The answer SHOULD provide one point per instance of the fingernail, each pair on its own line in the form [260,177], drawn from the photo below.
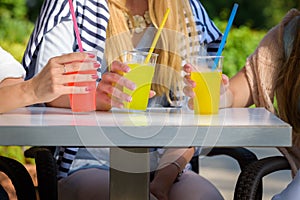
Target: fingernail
[96,65]
[153,92]
[94,76]
[91,55]
[129,99]
[126,68]
[132,86]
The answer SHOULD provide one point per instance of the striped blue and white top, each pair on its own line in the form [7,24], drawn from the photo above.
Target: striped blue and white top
[92,17]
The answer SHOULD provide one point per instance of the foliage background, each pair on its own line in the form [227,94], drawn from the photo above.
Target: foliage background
[252,21]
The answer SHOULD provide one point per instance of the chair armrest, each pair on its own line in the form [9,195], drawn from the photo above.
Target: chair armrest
[242,155]
[46,171]
[19,177]
[3,194]
[249,184]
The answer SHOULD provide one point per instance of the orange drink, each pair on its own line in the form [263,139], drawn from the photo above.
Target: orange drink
[207,76]
[207,92]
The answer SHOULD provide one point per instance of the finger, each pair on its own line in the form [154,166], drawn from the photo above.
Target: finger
[224,84]
[108,100]
[114,78]
[75,78]
[124,82]
[191,104]
[121,96]
[187,68]
[188,81]
[73,57]
[113,91]
[76,90]
[225,79]
[188,91]
[118,67]
[116,103]
[152,93]
[80,66]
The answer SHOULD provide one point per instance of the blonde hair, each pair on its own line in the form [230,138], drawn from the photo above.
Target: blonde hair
[288,82]
[173,40]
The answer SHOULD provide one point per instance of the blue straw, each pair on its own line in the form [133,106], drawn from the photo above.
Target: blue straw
[224,38]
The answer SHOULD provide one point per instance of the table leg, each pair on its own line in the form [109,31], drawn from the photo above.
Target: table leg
[129,173]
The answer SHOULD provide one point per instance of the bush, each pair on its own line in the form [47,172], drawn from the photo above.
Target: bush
[16,49]
[15,152]
[241,42]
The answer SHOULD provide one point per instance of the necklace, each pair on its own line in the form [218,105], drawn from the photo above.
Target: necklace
[138,23]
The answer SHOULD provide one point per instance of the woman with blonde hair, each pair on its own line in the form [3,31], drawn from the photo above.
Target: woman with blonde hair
[112,27]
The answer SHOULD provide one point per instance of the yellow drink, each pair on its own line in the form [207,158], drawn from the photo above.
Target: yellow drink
[141,75]
[207,92]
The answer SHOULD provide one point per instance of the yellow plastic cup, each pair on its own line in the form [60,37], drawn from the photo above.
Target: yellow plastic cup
[208,75]
[141,74]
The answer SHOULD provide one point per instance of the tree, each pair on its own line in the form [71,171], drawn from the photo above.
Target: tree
[13,21]
[257,14]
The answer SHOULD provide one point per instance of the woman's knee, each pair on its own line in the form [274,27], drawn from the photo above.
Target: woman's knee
[85,184]
[193,186]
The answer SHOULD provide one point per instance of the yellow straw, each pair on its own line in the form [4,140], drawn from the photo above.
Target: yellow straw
[157,35]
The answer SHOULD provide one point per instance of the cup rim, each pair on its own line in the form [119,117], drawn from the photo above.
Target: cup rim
[142,52]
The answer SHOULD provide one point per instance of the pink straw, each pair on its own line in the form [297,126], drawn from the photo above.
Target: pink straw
[75,26]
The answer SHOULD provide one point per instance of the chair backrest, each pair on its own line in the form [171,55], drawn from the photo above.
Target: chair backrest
[19,177]
[46,169]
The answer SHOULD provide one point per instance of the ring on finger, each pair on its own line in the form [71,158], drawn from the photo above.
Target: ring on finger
[65,69]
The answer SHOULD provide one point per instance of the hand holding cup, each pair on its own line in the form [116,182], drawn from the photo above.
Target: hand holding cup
[52,81]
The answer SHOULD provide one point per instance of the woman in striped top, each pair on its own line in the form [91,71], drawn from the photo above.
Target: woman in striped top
[107,26]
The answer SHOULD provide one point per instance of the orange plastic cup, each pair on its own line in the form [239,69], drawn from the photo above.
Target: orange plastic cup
[84,102]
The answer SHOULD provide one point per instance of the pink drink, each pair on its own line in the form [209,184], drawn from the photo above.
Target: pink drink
[84,102]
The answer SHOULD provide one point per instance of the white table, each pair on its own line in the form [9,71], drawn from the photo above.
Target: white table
[138,131]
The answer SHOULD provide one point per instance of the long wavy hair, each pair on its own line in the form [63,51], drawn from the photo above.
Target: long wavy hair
[288,82]
[175,37]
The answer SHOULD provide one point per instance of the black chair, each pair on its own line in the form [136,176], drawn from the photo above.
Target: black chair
[19,177]
[249,184]
[47,169]
[3,194]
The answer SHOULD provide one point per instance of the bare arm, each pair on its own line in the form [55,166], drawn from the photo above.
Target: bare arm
[240,90]
[50,83]
[168,172]
[15,93]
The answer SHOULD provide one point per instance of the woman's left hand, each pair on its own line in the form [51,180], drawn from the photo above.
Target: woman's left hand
[190,84]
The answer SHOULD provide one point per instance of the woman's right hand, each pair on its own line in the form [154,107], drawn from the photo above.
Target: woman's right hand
[52,81]
[110,88]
